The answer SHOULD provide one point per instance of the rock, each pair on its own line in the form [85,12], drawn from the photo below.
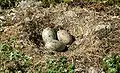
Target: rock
[64,36]
[48,34]
[55,45]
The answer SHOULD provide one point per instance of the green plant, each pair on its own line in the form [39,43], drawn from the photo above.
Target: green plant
[38,68]
[10,55]
[111,64]
[59,66]
[8,3]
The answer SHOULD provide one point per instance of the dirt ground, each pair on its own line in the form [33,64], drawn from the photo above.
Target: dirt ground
[95,27]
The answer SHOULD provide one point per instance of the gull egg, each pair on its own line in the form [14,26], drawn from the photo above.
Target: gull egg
[64,36]
[55,45]
[48,34]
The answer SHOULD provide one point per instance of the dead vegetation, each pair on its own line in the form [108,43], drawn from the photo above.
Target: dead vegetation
[95,28]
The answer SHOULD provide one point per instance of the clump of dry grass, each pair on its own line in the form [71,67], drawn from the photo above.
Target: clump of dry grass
[89,45]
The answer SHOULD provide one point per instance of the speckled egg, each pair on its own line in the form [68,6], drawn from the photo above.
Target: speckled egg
[64,36]
[55,45]
[48,34]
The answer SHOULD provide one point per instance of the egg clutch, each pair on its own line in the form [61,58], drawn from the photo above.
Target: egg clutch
[56,41]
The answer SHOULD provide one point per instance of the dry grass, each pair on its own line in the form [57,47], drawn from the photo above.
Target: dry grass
[96,33]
